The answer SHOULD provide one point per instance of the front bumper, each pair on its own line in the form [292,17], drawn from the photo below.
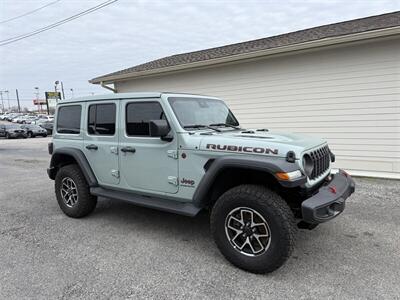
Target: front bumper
[17,135]
[329,201]
[36,133]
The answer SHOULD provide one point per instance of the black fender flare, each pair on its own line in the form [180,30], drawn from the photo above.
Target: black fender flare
[80,159]
[270,165]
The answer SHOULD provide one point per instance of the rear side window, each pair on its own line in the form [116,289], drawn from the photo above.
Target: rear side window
[69,119]
[138,115]
[101,119]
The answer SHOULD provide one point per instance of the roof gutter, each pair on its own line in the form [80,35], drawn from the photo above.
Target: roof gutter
[290,48]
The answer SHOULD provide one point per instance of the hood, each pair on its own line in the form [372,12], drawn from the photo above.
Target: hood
[261,142]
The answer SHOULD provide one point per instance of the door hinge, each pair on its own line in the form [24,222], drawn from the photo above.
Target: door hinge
[114,150]
[115,173]
[173,180]
[172,154]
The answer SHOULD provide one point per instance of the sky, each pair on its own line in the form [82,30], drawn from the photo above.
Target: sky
[130,32]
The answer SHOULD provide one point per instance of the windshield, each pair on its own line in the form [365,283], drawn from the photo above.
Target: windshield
[201,111]
[13,126]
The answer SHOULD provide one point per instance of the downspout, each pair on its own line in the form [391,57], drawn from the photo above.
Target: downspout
[107,87]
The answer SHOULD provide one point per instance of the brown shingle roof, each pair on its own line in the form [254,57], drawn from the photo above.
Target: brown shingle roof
[307,35]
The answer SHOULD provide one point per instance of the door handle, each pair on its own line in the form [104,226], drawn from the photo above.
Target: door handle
[128,149]
[92,147]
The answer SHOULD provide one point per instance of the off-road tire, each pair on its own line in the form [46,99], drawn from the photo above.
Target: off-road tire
[273,209]
[86,202]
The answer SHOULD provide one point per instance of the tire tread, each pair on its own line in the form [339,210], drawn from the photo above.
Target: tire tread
[86,202]
[268,200]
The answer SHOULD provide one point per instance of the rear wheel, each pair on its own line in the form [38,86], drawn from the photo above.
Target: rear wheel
[253,228]
[8,136]
[30,134]
[72,191]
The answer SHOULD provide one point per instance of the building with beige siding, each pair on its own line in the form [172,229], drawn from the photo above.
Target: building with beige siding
[340,82]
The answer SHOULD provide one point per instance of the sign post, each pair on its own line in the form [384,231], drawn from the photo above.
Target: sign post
[52,96]
[39,103]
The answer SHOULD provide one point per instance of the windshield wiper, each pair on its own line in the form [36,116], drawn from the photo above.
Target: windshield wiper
[224,124]
[201,126]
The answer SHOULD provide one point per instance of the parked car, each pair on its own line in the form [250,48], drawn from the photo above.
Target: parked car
[34,130]
[28,120]
[25,119]
[7,116]
[11,116]
[42,119]
[18,119]
[47,118]
[12,131]
[3,116]
[21,119]
[48,125]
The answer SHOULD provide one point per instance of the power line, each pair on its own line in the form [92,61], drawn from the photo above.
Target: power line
[69,19]
[29,12]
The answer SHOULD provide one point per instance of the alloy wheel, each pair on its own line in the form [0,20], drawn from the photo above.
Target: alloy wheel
[69,192]
[247,231]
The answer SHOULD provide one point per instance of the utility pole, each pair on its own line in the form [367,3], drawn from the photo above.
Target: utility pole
[2,102]
[37,99]
[47,102]
[62,90]
[19,106]
[8,99]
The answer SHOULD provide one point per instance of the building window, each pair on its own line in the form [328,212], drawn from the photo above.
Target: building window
[69,119]
[101,120]
[138,115]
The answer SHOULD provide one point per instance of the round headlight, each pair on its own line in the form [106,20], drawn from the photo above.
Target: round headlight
[308,164]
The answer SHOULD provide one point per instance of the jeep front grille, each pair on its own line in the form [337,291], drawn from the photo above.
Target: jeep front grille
[321,160]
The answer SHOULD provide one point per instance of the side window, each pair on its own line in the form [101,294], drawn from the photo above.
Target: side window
[101,120]
[138,115]
[69,119]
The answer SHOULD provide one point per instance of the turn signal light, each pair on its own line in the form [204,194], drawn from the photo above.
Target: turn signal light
[288,176]
[282,176]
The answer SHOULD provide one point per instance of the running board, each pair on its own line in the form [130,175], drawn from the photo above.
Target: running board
[181,208]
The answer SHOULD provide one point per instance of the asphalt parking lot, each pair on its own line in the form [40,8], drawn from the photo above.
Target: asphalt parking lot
[123,251]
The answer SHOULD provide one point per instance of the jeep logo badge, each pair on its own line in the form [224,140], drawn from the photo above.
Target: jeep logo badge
[187,182]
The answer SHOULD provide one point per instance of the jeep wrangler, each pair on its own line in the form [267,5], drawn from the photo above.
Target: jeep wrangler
[185,153]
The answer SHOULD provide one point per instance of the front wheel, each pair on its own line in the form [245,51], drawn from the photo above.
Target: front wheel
[253,228]
[30,134]
[73,193]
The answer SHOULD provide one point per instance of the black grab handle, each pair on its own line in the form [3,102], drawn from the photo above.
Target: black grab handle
[128,149]
[92,147]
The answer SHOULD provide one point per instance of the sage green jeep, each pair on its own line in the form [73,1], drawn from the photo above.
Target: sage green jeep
[185,153]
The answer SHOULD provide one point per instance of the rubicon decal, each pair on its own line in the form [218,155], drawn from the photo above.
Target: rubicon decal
[187,182]
[245,149]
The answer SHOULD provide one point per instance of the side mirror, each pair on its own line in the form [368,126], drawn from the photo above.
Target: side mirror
[159,128]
